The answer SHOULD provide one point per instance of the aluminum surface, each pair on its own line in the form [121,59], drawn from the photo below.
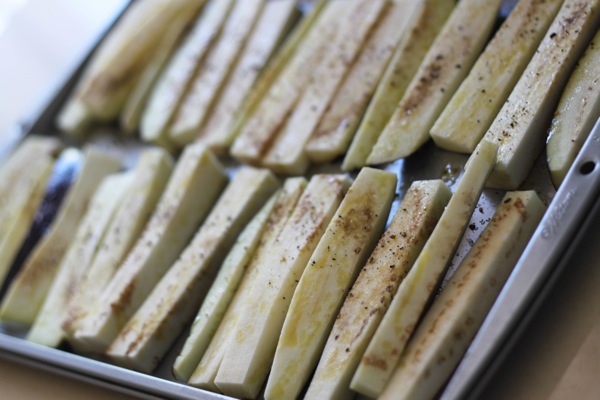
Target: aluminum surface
[557,230]
[428,163]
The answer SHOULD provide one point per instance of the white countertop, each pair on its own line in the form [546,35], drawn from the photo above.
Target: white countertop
[39,41]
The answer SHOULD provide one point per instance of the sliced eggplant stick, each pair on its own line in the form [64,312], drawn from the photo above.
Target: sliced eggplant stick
[194,186]
[287,154]
[18,214]
[47,328]
[577,112]
[342,251]
[30,287]
[248,358]
[336,128]
[150,177]
[294,41]
[372,292]
[520,126]
[22,186]
[74,119]
[144,340]
[274,107]
[424,25]
[131,115]
[174,82]
[462,125]
[115,66]
[221,291]
[271,28]
[447,63]
[454,318]
[415,291]
[206,371]
[207,85]
[30,150]
[131,45]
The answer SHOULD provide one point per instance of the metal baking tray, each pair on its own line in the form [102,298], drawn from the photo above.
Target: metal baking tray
[578,196]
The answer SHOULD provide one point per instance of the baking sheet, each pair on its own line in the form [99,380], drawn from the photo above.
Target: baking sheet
[566,223]
[428,163]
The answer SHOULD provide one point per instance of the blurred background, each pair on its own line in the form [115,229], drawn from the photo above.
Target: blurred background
[40,42]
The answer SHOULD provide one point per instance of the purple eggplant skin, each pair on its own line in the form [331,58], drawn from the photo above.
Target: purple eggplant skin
[63,175]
